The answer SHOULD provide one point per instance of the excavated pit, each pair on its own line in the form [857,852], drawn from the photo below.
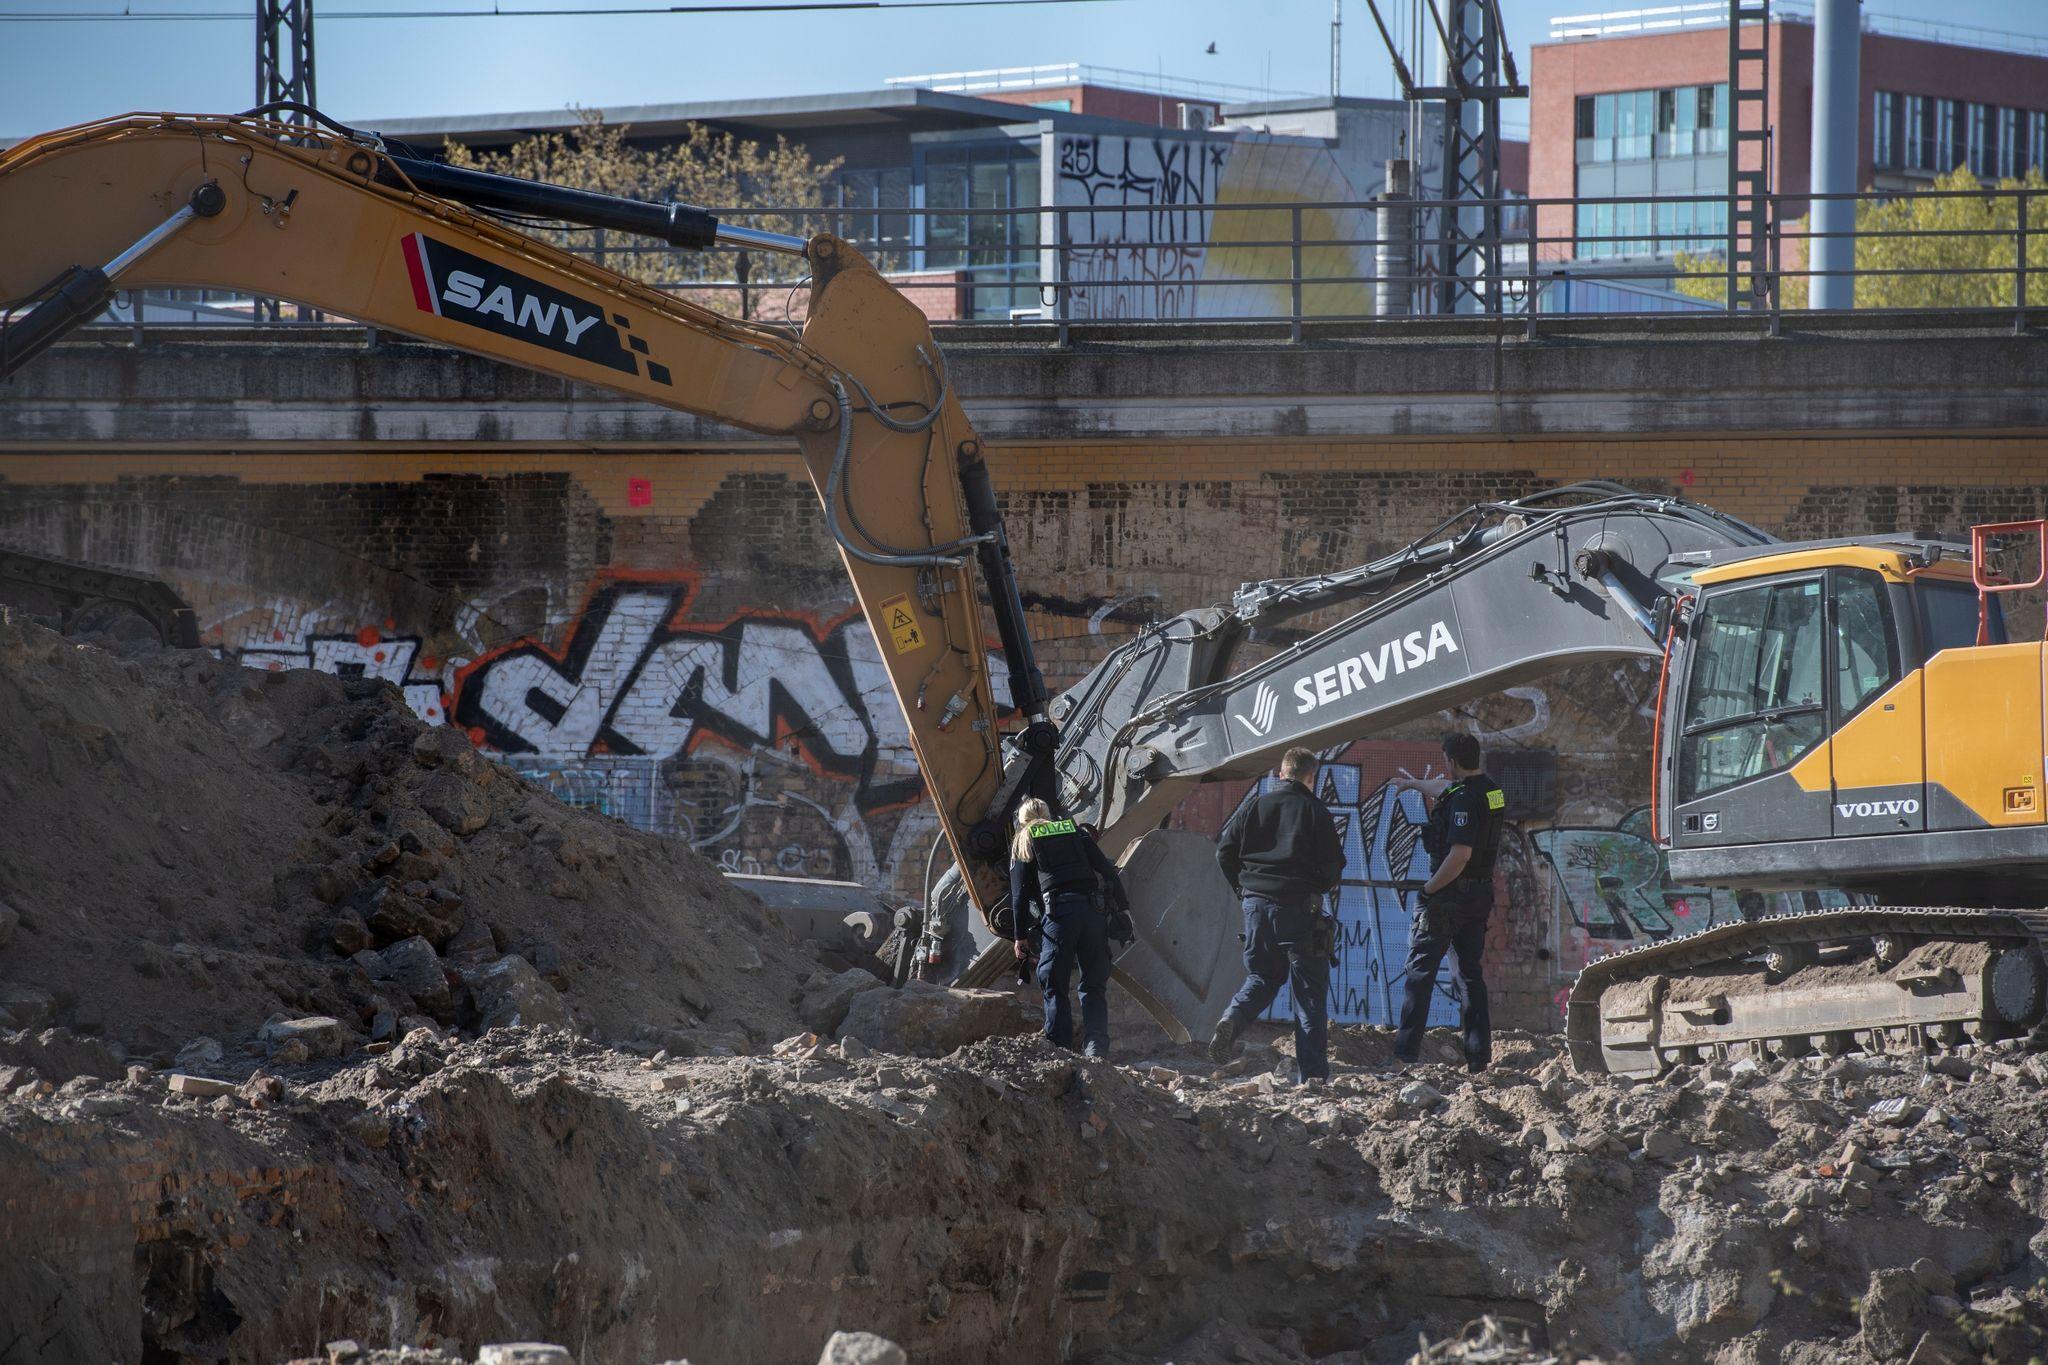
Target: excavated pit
[596,1140]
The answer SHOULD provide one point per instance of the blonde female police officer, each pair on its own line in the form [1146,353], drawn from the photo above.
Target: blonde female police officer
[1059,883]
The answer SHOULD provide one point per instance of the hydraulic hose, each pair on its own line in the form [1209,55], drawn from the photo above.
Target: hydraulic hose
[939,556]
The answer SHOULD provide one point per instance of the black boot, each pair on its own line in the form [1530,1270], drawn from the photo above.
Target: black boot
[1223,1046]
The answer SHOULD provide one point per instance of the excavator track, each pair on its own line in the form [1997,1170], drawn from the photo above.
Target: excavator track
[1831,981]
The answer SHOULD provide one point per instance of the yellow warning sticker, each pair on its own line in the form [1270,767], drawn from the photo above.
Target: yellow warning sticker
[904,631]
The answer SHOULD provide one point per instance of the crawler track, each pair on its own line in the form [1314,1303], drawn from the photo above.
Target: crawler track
[1967,975]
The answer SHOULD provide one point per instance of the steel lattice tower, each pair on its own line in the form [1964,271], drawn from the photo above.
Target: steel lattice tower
[284,54]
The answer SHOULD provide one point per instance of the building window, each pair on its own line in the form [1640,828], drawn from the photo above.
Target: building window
[998,250]
[2008,143]
[1884,149]
[1944,136]
[1919,138]
[1980,139]
[882,233]
[2037,139]
[1636,125]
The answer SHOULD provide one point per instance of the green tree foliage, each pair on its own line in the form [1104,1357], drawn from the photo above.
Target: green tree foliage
[702,166]
[1972,236]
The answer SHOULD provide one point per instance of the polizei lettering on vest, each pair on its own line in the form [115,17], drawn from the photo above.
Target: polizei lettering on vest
[1416,649]
[1864,810]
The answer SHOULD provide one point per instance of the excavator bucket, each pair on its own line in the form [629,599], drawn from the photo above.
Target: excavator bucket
[1186,963]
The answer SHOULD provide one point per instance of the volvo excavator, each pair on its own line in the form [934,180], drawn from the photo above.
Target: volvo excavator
[1829,714]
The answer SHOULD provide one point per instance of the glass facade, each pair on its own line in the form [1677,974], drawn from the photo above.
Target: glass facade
[1659,227]
[1923,133]
[1636,125]
[1667,142]
[998,250]
[883,234]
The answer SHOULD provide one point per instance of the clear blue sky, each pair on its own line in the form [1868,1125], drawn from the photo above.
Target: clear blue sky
[59,73]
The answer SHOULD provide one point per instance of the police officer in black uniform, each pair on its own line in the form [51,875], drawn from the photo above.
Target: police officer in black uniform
[1064,889]
[1282,856]
[1462,839]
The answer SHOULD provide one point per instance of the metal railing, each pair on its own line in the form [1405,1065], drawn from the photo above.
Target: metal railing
[1308,266]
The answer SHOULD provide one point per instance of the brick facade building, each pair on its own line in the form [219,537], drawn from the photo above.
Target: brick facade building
[1647,115]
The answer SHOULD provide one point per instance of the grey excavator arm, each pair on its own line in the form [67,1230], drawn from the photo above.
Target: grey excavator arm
[1499,595]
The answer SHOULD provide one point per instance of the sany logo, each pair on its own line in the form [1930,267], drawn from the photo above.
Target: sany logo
[1265,704]
[465,290]
[451,283]
[1863,810]
[1372,667]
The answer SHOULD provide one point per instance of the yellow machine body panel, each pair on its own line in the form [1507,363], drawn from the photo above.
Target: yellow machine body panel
[1885,744]
[1891,563]
[1984,731]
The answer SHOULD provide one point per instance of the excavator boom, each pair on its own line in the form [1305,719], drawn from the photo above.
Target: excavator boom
[334,219]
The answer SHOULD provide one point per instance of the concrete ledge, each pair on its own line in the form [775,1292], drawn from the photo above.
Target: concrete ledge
[1430,378]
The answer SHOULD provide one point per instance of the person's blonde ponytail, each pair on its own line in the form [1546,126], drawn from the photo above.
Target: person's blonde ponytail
[1032,811]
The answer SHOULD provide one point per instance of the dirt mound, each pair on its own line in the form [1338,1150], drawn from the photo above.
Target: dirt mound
[188,847]
[532,1185]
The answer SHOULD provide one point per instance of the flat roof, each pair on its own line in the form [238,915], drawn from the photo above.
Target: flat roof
[903,106]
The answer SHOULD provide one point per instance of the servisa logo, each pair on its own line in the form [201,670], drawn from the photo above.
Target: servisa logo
[1863,810]
[1265,703]
[1416,649]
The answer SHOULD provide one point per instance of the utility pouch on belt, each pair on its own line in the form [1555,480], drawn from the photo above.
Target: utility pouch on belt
[1323,938]
[1436,918]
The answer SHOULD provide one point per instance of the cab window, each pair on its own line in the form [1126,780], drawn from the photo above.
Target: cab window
[1948,614]
[1754,704]
[1866,660]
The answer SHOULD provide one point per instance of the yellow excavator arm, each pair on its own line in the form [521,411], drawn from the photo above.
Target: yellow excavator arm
[334,219]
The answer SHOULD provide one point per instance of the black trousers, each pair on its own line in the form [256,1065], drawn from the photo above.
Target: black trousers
[1278,951]
[1461,930]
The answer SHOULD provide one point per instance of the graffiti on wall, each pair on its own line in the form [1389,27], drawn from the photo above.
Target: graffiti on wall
[1138,252]
[1167,227]
[771,742]
[367,653]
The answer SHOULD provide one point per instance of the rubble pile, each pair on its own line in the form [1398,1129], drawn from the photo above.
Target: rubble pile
[188,848]
[404,1140]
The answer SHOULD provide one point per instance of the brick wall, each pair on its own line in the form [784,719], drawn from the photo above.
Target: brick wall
[522,593]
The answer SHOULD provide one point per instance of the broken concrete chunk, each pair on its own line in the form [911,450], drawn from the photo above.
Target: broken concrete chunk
[455,804]
[1893,1312]
[472,944]
[1661,1144]
[826,998]
[201,1052]
[662,1084]
[349,935]
[510,992]
[398,914]
[321,1035]
[199,1087]
[861,1348]
[522,1352]
[923,1020]
[413,967]
[853,1049]
[1420,1095]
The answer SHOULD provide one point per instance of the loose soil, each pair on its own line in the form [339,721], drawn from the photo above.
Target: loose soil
[648,1173]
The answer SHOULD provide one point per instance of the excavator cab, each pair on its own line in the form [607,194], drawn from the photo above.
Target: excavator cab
[1852,714]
